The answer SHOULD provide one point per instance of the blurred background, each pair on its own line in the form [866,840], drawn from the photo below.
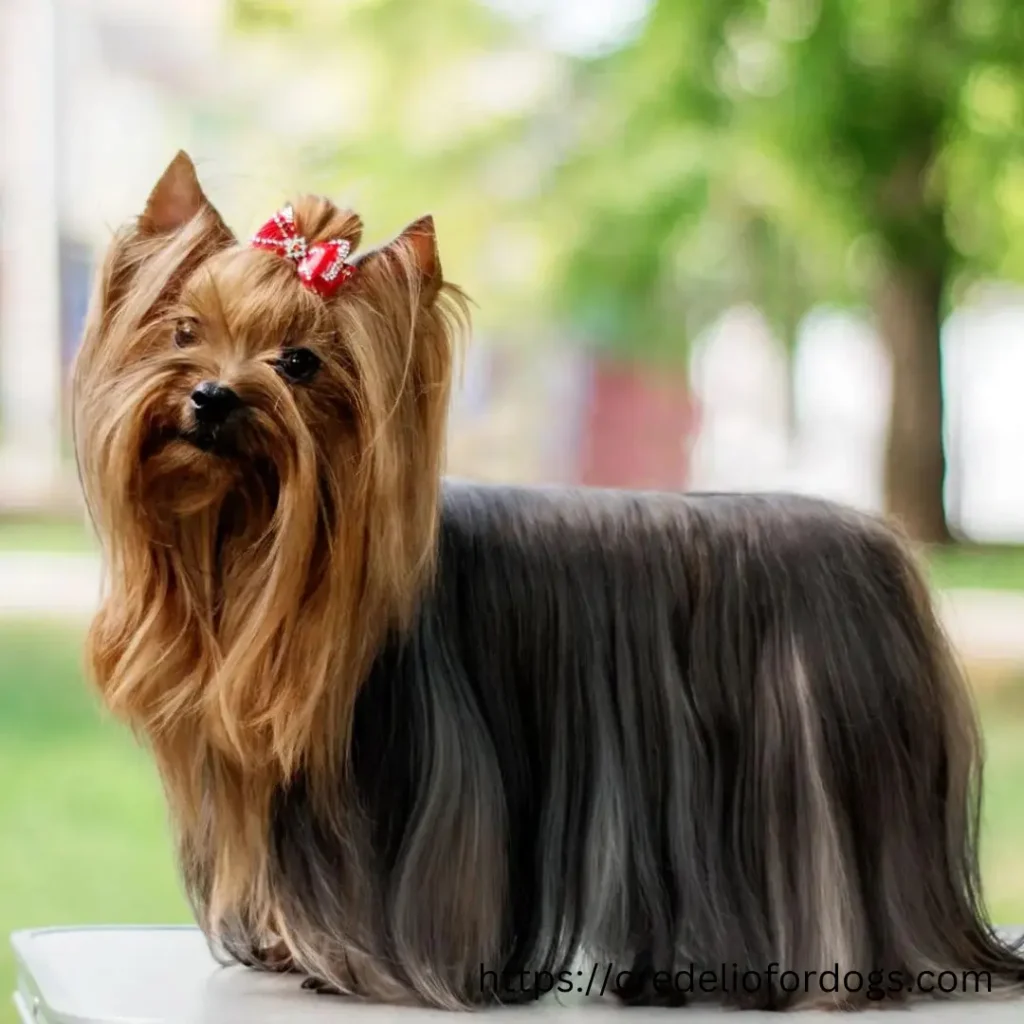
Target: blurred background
[714,244]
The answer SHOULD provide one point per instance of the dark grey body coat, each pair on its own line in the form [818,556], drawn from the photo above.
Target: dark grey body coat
[659,730]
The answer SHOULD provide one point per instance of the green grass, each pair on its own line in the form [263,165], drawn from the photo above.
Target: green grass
[50,535]
[1002,844]
[977,566]
[83,837]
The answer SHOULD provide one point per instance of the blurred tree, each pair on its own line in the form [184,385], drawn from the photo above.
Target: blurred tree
[790,151]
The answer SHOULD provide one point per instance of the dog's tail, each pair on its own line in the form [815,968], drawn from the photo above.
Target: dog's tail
[869,768]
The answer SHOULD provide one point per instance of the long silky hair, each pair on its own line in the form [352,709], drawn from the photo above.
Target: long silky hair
[224,576]
[420,740]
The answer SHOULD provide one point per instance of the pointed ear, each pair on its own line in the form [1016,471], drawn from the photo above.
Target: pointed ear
[422,241]
[176,198]
[418,244]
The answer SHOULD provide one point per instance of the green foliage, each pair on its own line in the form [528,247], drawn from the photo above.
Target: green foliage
[776,151]
[977,567]
[265,14]
[429,113]
[50,535]
[837,135]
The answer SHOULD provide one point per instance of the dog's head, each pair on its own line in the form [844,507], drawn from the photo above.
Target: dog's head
[259,427]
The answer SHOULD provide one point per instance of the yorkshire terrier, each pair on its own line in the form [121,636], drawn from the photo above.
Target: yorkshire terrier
[428,742]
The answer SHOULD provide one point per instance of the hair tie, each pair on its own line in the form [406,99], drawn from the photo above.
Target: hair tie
[321,266]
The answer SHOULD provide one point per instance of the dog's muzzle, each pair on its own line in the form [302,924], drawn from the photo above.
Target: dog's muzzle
[213,409]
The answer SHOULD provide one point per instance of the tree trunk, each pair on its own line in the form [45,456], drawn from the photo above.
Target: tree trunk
[908,311]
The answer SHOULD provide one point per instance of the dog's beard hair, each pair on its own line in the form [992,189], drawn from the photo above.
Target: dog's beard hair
[408,737]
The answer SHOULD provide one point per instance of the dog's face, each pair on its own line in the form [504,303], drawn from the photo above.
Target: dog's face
[240,376]
[215,370]
[246,380]
[261,459]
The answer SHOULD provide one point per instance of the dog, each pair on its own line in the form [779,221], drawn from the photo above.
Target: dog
[430,742]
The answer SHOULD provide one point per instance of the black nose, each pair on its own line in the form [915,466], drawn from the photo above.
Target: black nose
[212,403]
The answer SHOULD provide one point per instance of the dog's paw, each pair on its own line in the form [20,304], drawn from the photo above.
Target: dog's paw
[321,987]
[641,991]
[277,960]
[642,985]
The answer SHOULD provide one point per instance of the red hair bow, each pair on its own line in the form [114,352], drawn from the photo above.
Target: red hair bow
[321,266]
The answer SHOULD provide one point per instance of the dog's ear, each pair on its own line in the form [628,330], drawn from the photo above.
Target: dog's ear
[422,242]
[178,229]
[415,247]
[176,198]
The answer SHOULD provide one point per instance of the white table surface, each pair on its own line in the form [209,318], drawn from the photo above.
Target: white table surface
[165,975]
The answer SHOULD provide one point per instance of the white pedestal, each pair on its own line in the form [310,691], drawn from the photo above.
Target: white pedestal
[165,975]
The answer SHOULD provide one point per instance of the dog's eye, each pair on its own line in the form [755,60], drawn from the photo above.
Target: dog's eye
[185,333]
[298,364]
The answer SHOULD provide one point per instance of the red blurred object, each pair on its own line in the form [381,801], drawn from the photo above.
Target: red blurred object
[638,427]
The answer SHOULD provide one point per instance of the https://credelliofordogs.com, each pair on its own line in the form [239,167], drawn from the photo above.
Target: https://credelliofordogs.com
[409,728]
